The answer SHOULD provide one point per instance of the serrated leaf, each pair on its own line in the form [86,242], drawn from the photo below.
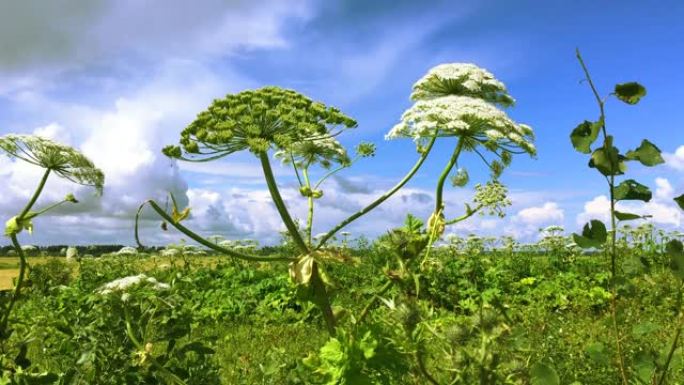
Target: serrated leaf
[584,135]
[630,92]
[647,154]
[680,201]
[632,190]
[620,216]
[542,374]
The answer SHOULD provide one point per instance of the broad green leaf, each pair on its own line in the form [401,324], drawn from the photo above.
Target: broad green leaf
[647,154]
[302,269]
[584,135]
[620,216]
[632,190]
[542,374]
[607,160]
[594,234]
[630,92]
[680,201]
[644,367]
[675,250]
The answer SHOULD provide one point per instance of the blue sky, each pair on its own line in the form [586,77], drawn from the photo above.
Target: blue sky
[120,80]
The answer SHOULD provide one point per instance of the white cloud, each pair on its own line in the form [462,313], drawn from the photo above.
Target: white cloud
[676,159]
[661,208]
[547,213]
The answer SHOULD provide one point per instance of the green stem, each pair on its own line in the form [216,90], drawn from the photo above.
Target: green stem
[34,198]
[17,288]
[201,240]
[310,202]
[612,249]
[334,171]
[439,197]
[280,204]
[464,216]
[382,198]
[141,348]
[673,347]
[384,289]
[321,296]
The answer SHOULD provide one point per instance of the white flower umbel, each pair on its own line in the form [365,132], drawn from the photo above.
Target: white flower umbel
[462,116]
[126,283]
[462,79]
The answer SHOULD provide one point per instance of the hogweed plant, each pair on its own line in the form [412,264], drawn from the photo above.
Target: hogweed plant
[607,159]
[54,158]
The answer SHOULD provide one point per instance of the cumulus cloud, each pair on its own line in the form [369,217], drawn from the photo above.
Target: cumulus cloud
[661,209]
[529,220]
[675,160]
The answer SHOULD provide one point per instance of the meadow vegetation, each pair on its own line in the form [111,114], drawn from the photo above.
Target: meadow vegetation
[417,305]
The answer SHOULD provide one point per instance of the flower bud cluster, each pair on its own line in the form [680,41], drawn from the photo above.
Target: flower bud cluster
[257,120]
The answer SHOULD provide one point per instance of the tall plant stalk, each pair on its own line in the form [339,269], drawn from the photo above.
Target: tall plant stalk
[612,250]
[22,257]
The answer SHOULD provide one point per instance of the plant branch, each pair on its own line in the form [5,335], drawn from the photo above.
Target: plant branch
[382,198]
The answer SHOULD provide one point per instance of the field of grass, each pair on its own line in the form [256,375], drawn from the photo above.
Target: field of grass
[499,314]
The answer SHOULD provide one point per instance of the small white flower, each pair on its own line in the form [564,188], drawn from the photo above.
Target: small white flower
[125,283]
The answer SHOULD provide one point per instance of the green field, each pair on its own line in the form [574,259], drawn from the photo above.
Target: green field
[494,314]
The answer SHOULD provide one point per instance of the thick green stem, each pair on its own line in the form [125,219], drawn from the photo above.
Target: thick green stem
[320,293]
[382,198]
[17,288]
[280,204]
[199,239]
[439,193]
[310,202]
[22,258]
[35,196]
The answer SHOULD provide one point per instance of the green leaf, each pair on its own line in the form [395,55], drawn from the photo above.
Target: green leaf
[675,250]
[630,92]
[607,159]
[594,234]
[632,190]
[584,135]
[542,374]
[680,201]
[620,216]
[647,153]
[597,352]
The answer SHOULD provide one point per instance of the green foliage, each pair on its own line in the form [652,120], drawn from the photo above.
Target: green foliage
[594,234]
[647,154]
[632,190]
[584,135]
[630,92]
[543,374]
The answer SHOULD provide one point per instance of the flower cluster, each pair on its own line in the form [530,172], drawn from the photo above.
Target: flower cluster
[461,79]
[60,159]
[325,151]
[257,120]
[463,116]
[126,283]
[492,197]
[460,100]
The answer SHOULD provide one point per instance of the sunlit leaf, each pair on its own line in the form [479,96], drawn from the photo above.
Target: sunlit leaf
[632,190]
[630,92]
[584,135]
[647,154]
[607,160]
[620,216]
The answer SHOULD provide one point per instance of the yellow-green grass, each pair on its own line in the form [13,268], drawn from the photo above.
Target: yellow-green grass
[9,266]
